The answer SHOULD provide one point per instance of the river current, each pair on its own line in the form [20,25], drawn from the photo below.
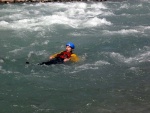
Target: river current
[112,40]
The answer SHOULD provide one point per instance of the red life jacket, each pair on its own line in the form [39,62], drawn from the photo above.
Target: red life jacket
[64,55]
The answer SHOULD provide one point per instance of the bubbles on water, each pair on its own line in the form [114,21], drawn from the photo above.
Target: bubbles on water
[135,60]
[124,6]
[15,51]
[96,22]
[90,66]
[3,24]
[45,42]
[1,61]
[83,57]
[122,32]
[98,6]
[75,15]
[37,53]
[30,54]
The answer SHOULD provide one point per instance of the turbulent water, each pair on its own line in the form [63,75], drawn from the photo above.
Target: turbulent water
[112,40]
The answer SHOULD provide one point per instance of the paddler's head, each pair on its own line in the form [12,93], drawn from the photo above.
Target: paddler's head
[70,46]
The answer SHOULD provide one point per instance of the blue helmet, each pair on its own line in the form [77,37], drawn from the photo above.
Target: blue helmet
[71,45]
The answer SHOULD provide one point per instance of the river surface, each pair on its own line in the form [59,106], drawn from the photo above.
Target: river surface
[112,40]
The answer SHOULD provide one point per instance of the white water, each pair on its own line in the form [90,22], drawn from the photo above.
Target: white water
[112,40]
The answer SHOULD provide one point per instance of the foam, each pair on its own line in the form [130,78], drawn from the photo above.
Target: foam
[145,1]
[96,22]
[45,42]
[137,59]
[20,24]
[98,6]
[143,27]
[1,61]
[15,16]
[123,32]
[124,6]
[54,19]
[37,53]
[94,13]
[30,54]
[147,27]
[24,23]
[78,5]
[144,30]
[16,50]
[75,15]
[3,23]
[93,66]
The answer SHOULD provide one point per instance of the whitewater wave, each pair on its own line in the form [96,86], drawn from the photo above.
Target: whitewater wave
[96,22]
[3,23]
[143,28]
[93,66]
[135,60]
[122,32]
[76,15]
[16,51]
[38,25]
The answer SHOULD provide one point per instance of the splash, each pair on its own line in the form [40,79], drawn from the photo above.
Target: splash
[74,15]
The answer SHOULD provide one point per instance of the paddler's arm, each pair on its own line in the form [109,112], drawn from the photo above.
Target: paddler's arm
[53,56]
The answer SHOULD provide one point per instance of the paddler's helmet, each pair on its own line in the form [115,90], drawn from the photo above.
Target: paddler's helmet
[71,45]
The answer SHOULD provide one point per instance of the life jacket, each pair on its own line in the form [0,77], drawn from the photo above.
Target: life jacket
[64,55]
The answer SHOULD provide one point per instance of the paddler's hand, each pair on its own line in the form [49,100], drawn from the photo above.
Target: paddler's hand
[66,60]
[51,57]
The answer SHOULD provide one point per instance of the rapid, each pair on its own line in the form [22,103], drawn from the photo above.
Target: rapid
[112,40]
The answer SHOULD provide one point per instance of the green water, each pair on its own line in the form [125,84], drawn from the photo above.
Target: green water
[112,40]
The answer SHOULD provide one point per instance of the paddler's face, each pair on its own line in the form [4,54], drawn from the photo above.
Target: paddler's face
[68,49]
